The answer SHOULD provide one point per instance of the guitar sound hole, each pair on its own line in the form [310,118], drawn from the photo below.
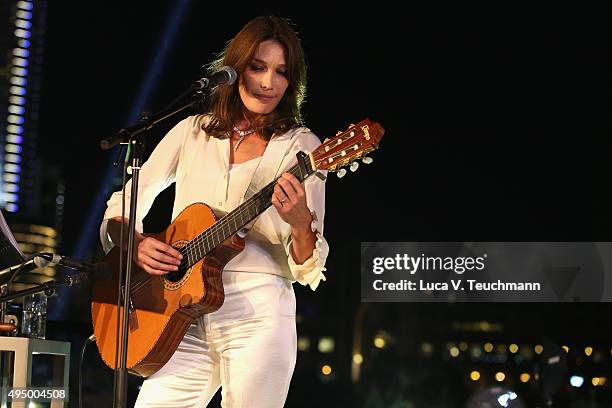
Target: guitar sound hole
[176,276]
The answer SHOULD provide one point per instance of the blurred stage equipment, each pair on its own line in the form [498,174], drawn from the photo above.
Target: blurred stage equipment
[21,340]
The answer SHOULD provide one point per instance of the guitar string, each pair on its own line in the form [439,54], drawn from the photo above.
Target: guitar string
[227,221]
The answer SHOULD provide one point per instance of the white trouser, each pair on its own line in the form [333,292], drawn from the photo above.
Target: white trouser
[248,347]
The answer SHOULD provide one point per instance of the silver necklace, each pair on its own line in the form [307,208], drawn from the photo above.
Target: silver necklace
[242,134]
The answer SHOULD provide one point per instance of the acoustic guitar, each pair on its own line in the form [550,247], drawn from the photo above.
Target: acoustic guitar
[161,308]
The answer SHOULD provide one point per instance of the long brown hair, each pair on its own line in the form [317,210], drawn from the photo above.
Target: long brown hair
[226,106]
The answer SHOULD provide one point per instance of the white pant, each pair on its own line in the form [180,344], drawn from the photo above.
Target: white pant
[248,347]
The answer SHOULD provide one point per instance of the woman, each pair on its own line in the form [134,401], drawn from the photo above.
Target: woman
[248,346]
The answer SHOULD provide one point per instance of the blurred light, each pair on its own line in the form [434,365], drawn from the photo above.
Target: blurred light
[488,347]
[19,71]
[598,381]
[485,326]
[15,119]
[499,376]
[566,348]
[17,90]
[24,5]
[525,377]
[21,52]
[475,376]
[16,129]
[17,100]
[326,344]
[303,343]
[513,348]
[379,342]
[357,358]
[463,346]
[14,139]
[588,351]
[326,370]
[504,398]
[576,381]
[476,352]
[12,158]
[20,62]
[23,24]
[454,352]
[11,207]
[501,348]
[11,188]
[12,148]
[11,178]
[11,197]
[22,33]
[427,348]
[16,110]
[23,14]
[23,43]
[12,168]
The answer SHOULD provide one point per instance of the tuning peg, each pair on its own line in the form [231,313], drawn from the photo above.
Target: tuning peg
[338,132]
[367,160]
[341,173]
[354,166]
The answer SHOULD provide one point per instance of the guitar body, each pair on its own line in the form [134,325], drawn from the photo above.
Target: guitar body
[162,308]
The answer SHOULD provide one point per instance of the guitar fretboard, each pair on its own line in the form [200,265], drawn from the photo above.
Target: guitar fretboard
[231,223]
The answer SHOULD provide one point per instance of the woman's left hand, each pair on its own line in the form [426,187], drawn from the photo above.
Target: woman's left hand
[289,199]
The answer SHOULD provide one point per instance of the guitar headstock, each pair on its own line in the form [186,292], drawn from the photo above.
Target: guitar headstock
[347,146]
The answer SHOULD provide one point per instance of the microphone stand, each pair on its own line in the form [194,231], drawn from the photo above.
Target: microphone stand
[47,287]
[133,136]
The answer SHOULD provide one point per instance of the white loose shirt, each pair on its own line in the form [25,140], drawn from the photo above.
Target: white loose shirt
[199,165]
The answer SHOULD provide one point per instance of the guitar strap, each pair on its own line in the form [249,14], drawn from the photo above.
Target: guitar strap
[267,170]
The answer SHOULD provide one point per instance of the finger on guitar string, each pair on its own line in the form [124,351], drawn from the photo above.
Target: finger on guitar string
[168,249]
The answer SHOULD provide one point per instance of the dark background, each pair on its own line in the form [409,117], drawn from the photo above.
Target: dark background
[497,129]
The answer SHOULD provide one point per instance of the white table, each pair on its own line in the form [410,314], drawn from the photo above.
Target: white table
[24,349]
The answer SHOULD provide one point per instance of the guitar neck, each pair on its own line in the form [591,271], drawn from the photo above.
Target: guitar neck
[231,223]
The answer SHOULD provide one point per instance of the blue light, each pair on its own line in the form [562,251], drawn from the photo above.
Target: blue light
[23,24]
[17,110]
[26,15]
[17,90]
[21,52]
[16,80]
[15,119]
[25,5]
[24,43]
[22,33]
[20,62]
[12,168]
[576,381]
[11,207]
[11,188]
[94,215]
[17,100]
[14,139]
[15,129]
[19,71]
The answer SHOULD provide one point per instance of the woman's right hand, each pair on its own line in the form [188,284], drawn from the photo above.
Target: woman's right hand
[156,257]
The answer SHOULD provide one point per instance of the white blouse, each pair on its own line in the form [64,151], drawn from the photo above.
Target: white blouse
[199,164]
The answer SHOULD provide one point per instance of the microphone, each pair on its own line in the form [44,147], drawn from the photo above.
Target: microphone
[32,264]
[61,260]
[225,75]
[100,270]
